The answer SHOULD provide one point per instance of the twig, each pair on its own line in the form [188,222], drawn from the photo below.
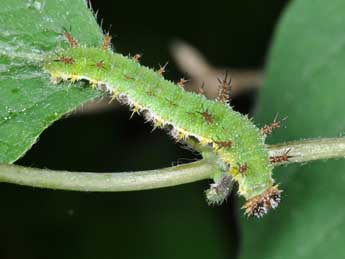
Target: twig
[310,149]
[299,152]
[195,65]
[107,182]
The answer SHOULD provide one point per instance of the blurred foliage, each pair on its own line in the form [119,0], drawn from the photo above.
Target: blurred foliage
[305,81]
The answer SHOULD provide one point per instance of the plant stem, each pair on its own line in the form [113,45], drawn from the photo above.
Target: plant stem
[107,182]
[299,152]
[310,149]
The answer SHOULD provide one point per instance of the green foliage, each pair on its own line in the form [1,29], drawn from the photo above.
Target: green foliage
[28,102]
[305,80]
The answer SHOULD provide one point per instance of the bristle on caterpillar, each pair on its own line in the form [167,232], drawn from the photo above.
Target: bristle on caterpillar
[276,124]
[243,168]
[100,64]
[106,41]
[208,117]
[182,82]
[223,144]
[201,89]
[65,60]
[136,57]
[162,69]
[281,158]
[224,88]
[261,204]
[71,40]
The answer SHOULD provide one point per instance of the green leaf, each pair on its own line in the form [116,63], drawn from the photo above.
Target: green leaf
[28,102]
[305,81]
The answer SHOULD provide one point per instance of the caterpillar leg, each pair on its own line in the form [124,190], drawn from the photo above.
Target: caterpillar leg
[220,190]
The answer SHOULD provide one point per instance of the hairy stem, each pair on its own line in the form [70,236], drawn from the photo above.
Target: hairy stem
[310,149]
[299,152]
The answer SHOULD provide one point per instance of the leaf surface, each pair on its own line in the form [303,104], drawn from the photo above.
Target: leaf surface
[305,81]
[29,103]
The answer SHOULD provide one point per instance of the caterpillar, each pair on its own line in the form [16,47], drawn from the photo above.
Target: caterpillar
[238,143]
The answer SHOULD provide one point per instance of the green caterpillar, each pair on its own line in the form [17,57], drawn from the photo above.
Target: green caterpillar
[188,116]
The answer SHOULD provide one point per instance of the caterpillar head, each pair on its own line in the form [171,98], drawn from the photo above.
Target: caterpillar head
[261,204]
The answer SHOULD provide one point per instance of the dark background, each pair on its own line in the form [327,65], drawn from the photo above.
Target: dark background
[165,223]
